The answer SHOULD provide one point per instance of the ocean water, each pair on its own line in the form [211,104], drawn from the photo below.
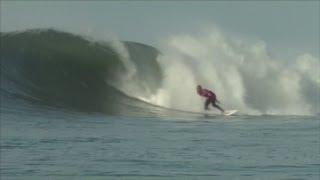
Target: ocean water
[55,144]
[74,108]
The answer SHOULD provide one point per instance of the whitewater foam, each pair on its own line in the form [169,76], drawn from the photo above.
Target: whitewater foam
[243,75]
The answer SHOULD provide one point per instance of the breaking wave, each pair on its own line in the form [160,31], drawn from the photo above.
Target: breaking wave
[122,78]
[242,73]
[61,69]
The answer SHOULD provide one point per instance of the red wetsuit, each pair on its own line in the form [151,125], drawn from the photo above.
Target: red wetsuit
[208,94]
[211,98]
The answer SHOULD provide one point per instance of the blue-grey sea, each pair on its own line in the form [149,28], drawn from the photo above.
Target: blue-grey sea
[57,144]
[71,108]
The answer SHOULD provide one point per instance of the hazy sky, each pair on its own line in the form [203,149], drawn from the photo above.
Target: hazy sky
[292,26]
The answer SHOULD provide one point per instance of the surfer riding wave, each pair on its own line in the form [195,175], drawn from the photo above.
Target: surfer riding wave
[211,98]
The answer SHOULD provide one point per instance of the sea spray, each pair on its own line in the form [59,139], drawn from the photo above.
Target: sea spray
[124,56]
[243,75]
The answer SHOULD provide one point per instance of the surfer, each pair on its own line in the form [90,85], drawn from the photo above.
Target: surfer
[211,98]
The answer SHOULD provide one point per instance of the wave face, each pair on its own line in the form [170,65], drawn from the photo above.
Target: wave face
[123,78]
[62,69]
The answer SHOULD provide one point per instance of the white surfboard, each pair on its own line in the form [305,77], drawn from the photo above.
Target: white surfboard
[230,112]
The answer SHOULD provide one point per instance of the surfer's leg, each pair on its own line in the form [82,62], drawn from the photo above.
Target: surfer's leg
[216,106]
[206,104]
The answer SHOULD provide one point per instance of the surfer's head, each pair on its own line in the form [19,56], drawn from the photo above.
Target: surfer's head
[199,88]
